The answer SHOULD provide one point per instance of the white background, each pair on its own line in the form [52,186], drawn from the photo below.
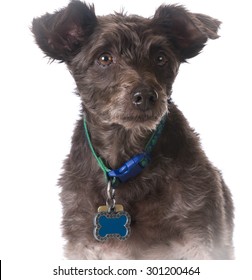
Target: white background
[38,110]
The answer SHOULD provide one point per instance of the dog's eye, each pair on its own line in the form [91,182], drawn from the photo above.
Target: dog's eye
[160,59]
[105,59]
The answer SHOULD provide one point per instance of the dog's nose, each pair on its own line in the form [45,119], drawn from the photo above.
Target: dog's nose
[144,99]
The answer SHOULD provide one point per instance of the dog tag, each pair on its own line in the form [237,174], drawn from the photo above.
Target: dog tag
[111,224]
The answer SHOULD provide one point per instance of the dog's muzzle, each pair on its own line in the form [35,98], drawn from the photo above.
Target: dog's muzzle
[144,99]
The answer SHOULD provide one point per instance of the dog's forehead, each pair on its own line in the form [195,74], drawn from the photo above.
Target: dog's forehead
[124,29]
[123,22]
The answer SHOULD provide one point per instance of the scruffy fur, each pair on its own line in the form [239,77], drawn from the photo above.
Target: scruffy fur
[124,68]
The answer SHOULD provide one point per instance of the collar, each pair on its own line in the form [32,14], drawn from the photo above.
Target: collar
[134,165]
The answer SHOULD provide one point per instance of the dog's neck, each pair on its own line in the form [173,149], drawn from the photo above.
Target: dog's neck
[114,143]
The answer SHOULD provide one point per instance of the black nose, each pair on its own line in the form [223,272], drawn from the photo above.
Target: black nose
[144,99]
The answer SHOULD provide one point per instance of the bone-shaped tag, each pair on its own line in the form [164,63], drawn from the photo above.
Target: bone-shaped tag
[112,225]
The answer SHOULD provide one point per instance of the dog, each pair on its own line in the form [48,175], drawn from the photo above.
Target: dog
[136,183]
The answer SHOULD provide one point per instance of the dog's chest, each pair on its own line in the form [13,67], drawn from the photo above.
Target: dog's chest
[149,221]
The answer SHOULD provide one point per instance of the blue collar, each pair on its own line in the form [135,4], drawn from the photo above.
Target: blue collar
[133,166]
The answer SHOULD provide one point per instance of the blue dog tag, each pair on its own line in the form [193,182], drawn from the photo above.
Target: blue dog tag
[112,225]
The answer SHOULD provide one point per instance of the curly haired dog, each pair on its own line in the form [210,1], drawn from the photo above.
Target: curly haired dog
[175,204]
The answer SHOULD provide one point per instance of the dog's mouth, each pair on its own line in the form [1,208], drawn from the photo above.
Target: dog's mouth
[146,120]
[146,115]
[140,118]
[140,108]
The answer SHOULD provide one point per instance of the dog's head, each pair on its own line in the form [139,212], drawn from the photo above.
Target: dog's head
[124,66]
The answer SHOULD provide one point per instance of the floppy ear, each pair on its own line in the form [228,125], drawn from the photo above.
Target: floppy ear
[61,35]
[188,32]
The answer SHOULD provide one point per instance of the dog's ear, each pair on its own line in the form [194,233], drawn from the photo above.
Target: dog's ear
[61,35]
[188,32]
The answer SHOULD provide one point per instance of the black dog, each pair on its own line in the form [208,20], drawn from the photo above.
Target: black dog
[173,202]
